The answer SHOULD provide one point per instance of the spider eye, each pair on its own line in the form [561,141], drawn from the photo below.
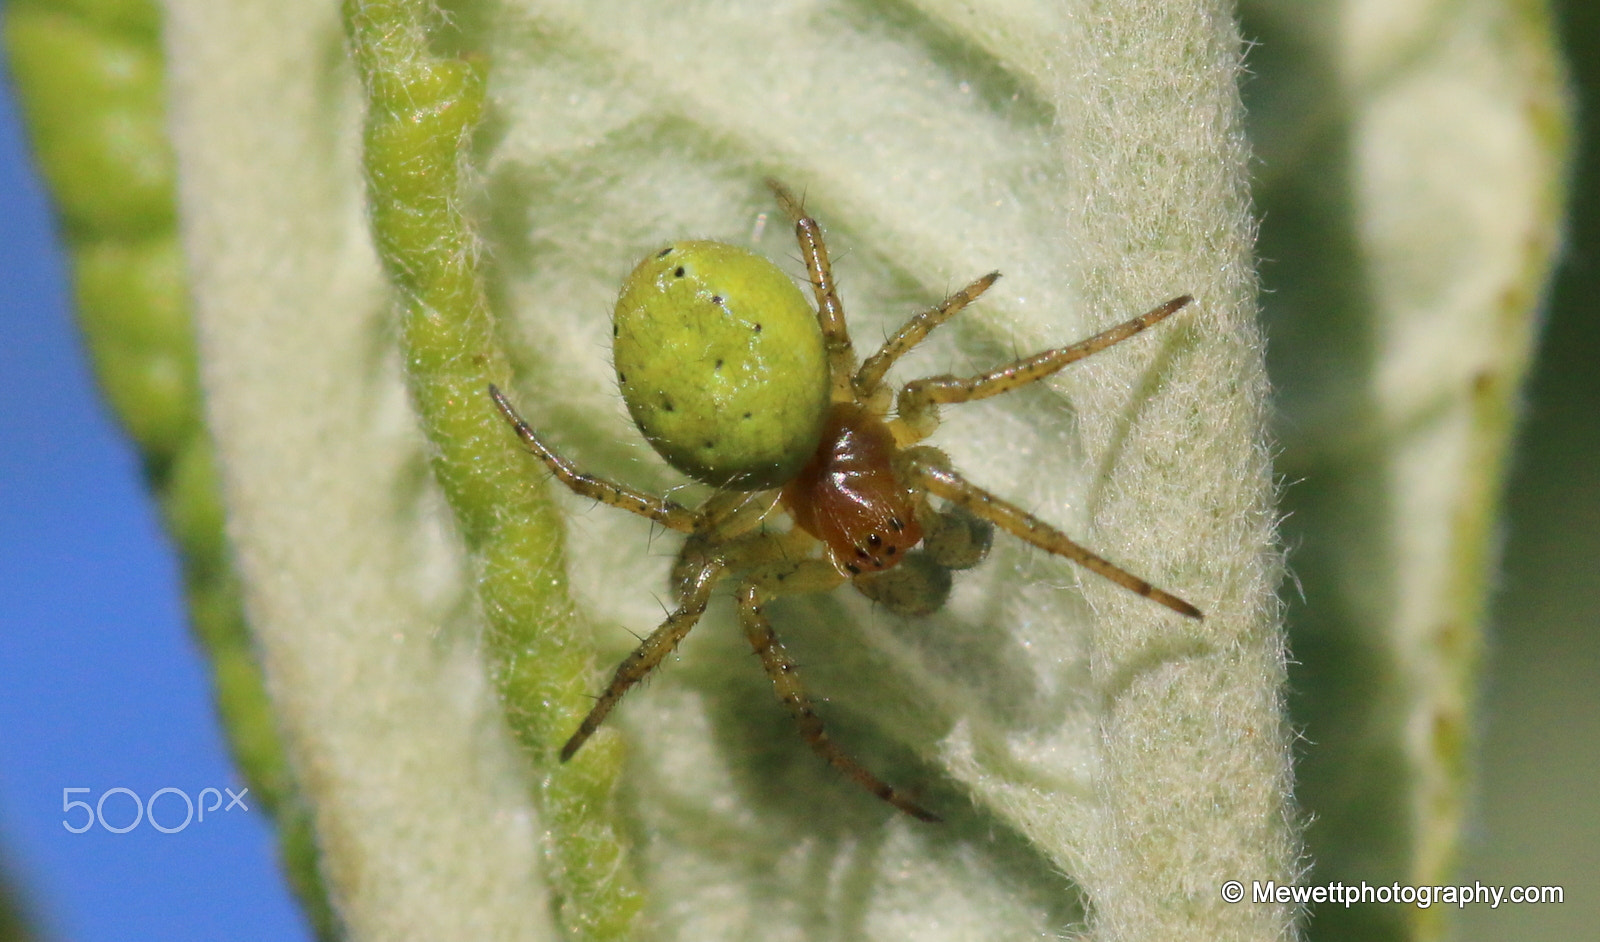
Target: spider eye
[842,523]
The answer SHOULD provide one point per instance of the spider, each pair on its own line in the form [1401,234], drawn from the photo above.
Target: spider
[739,383]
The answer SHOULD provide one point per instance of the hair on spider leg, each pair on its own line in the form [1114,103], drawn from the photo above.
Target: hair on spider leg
[639,637]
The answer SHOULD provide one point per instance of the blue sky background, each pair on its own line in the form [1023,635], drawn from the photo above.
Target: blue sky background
[100,684]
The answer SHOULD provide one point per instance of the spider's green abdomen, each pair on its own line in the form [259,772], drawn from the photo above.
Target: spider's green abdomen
[722,365]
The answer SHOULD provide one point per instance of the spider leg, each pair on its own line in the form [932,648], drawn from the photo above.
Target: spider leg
[913,332]
[830,313]
[918,400]
[672,515]
[785,675]
[728,514]
[645,658]
[951,486]
[746,552]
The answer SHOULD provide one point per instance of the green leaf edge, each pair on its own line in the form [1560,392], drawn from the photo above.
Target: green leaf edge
[1445,788]
[422,110]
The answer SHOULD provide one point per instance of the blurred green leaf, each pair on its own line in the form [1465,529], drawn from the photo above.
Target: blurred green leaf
[1412,177]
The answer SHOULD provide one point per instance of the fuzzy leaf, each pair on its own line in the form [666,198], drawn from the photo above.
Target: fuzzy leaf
[1083,743]
[1412,183]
